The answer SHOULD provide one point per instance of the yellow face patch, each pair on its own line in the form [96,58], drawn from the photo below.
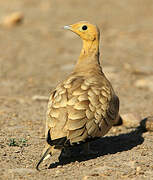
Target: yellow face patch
[85,30]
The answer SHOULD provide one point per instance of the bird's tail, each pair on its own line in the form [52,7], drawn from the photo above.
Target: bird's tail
[47,152]
[51,147]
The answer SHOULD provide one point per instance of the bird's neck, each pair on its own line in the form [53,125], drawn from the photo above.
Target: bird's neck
[89,48]
[89,57]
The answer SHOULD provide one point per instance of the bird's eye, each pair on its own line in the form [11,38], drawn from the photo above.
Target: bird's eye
[84,27]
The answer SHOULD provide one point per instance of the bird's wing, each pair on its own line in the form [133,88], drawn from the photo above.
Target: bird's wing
[56,116]
[81,108]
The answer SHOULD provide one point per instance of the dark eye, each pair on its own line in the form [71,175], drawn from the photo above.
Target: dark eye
[84,27]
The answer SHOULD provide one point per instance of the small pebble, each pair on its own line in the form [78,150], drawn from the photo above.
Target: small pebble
[60,166]
[131,120]
[13,19]
[141,83]
[85,177]
[147,123]
[40,98]
[131,164]
[145,83]
[138,170]
[57,171]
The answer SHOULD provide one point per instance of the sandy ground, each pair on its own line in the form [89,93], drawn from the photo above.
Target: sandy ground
[37,54]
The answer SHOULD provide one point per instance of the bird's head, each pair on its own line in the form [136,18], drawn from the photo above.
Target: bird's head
[85,30]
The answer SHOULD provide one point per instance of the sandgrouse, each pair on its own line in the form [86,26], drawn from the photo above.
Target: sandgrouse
[84,106]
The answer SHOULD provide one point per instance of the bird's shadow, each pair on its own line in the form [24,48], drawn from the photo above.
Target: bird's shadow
[107,145]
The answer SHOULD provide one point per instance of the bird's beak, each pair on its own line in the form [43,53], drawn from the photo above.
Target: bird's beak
[68,27]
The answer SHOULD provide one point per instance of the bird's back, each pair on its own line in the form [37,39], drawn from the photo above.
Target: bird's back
[82,107]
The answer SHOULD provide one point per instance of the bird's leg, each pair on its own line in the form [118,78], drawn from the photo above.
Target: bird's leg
[87,151]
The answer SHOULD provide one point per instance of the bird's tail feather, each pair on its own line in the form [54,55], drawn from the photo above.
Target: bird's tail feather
[47,153]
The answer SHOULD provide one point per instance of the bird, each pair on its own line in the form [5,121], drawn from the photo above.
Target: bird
[84,106]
